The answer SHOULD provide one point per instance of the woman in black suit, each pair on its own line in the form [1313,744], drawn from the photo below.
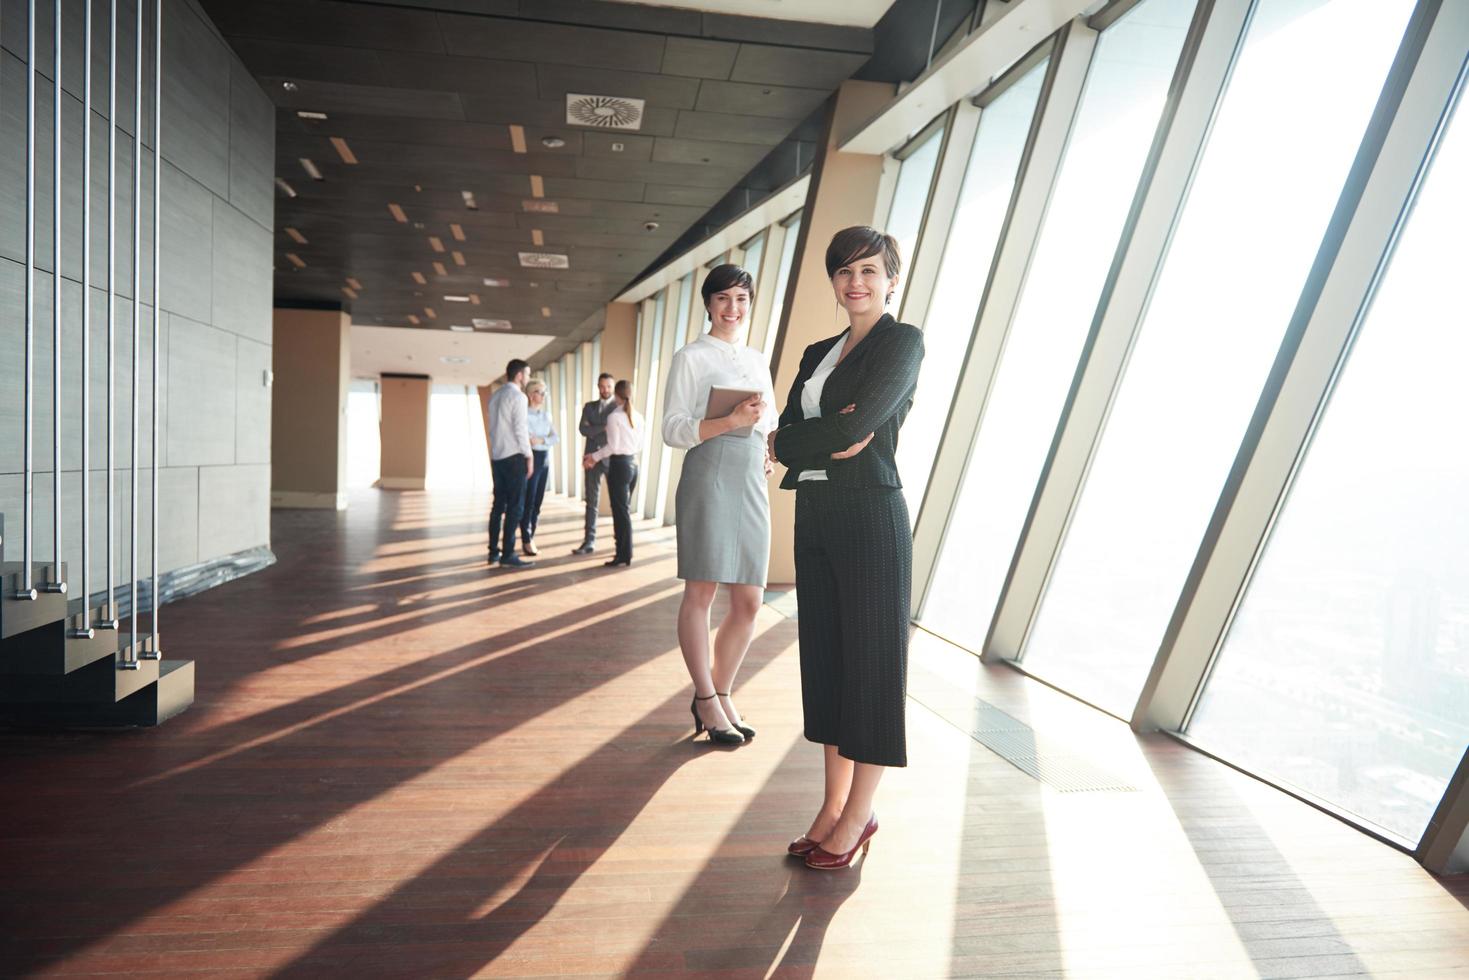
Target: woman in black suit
[854,544]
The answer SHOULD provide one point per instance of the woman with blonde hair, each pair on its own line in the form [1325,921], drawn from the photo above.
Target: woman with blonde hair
[624,442]
[542,438]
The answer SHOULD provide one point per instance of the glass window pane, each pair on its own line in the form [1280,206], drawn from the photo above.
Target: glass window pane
[1307,79]
[458,453]
[753,255]
[643,397]
[910,198]
[685,289]
[979,217]
[1346,671]
[782,278]
[364,433]
[1126,87]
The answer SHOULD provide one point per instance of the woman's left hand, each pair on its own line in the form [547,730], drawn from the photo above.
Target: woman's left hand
[854,449]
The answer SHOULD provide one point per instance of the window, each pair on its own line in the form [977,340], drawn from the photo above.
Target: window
[458,453]
[782,278]
[1128,81]
[673,334]
[754,253]
[979,218]
[364,433]
[644,396]
[910,199]
[1306,81]
[1346,670]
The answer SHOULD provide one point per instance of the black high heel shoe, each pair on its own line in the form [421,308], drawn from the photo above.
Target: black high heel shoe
[721,736]
[744,730]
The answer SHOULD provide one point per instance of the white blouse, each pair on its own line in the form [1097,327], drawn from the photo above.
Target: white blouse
[698,367]
[811,395]
[623,438]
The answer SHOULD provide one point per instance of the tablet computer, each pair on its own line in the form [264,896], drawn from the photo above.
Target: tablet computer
[723,400]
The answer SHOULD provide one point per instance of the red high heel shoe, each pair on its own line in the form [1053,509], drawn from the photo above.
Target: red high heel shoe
[802,846]
[823,860]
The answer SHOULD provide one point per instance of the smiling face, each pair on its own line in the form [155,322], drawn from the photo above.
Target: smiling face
[537,396]
[729,309]
[863,285]
[604,388]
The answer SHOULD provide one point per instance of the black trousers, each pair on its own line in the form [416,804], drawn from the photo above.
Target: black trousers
[535,494]
[592,491]
[622,476]
[509,477]
[854,582]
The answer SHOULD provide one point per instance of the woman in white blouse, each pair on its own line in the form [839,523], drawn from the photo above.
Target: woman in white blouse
[723,511]
[624,442]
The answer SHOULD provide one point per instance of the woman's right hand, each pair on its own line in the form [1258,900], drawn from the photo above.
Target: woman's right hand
[747,412]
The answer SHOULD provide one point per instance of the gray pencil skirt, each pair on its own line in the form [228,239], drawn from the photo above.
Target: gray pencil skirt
[724,512]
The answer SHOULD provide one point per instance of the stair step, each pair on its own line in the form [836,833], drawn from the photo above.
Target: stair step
[99,682]
[20,615]
[171,692]
[51,650]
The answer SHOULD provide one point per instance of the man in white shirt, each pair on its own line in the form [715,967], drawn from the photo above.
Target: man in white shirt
[594,427]
[511,463]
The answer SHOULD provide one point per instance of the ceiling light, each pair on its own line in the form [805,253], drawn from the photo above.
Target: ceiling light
[474,298]
[485,324]
[348,293]
[418,278]
[310,169]
[454,359]
[439,268]
[296,236]
[497,282]
[397,213]
[411,319]
[544,260]
[353,283]
[457,231]
[650,226]
[457,299]
[304,114]
[290,86]
[285,187]
[537,186]
[517,138]
[296,260]
[435,243]
[546,311]
[343,150]
[458,257]
[552,142]
[461,328]
[469,201]
[428,311]
[604,111]
[536,237]
[541,207]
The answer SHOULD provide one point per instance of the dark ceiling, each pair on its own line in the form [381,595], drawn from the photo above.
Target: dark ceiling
[426,99]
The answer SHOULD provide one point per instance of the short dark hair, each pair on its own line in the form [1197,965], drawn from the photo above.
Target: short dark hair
[726,276]
[862,242]
[515,367]
[604,376]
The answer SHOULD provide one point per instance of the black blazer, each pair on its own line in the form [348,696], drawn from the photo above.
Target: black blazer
[879,376]
[594,425]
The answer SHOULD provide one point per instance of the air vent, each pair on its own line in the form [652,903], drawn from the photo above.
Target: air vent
[544,260]
[482,324]
[604,111]
[541,207]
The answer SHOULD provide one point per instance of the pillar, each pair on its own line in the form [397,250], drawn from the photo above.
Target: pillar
[308,439]
[843,193]
[404,431]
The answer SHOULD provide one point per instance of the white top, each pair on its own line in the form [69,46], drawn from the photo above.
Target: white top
[811,395]
[700,365]
[505,415]
[623,438]
[538,423]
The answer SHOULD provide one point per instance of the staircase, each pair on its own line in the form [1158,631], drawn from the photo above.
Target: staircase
[50,678]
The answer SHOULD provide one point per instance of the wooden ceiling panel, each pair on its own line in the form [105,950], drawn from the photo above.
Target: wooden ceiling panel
[485,76]
[758,130]
[699,57]
[365,100]
[764,64]
[337,22]
[718,153]
[554,44]
[597,143]
[771,101]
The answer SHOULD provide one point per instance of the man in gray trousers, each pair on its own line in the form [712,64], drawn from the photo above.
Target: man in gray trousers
[594,427]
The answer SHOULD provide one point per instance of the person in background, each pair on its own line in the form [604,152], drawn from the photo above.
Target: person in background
[624,442]
[723,504]
[594,427]
[511,463]
[542,438]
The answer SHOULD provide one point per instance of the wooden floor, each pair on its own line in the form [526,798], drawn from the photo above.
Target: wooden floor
[402,764]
